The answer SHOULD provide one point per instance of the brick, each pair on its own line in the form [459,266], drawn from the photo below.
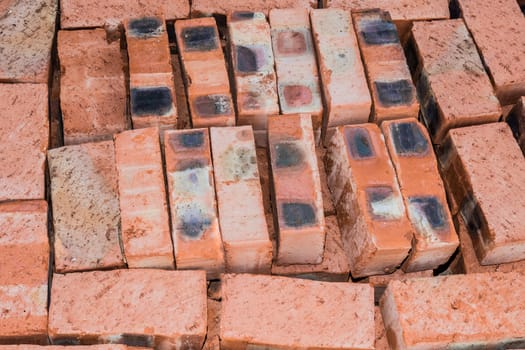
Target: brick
[27,29]
[207,82]
[86,215]
[214,316]
[194,218]
[298,83]
[62,347]
[298,209]
[245,235]
[253,68]
[459,311]
[389,79]
[162,309]
[484,169]
[299,310]
[449,72]
[370,210]
[381,342]
[333,268]
[152,92]
[209,7]
[92,86]
[411,152]
[79,14]
[516,121]
[498,31]
[144,215]
[24,137]
[24,258]
[380,282]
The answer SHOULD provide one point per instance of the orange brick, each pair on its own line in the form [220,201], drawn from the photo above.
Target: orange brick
[195,224]
[245,235]
[253,68]
[298,83]
[81,14]
[143,210]
[205,73]
[210,7]
[370,210]
[86,215]
[393,93]
[516,121]
[479,310]
[24,137]
[92,86]
[161,309]
[299,311]
[381,342]
[452,84]
[24,261]
[298,209]
[380,282]
[435,239]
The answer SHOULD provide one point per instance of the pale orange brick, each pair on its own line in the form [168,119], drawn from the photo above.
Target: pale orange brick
[210,7]
[380,282]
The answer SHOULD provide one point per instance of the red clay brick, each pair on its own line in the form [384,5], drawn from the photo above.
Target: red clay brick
[86,215]
[144,215]
[452,84]
[333,268]
[205,73]
[24,137]
[195,224]
[24,261]
[380,282]
[498,28]
[27,29]
[298,209]
[92,91]
[245,235]
[210,7]
[298,82]
[161,309]
[345,89]
[461,311]
[389,79]
[284,313]
[370,210]
[435,239]
[81,14]
[381,342]
[485,171]
[253,68]
[516,121]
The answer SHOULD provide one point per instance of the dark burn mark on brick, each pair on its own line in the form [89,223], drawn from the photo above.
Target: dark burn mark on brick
[138,340]
[394,93]
[429,109]
[202,38]
[291,42]
[298,214]
[193,222]
[151,101]
[379,32]
[246,60]
[473,217]
[359,143]
[408,139]
[297,95]
[212,105]
[431,209]
[192,140]
[191,164]
[242,15]
[288,155]
[382,203]
[146,27]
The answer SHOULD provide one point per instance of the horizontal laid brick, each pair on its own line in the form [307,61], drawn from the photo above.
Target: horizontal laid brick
[380,282]
[210,7]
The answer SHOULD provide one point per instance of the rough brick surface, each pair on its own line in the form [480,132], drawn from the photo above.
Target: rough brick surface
[86,215]
[210,7]
[380,282]
[163,309]
[284,313]
[24,137]
[381,339]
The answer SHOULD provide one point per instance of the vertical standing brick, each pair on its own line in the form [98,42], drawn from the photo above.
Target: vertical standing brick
[484,169]
[498,28]
[245,236]
[297,73]
[453,312]
[286,313]
[24,261]
[370,210]
[24,137]
[516,121]
[452,84]
[161,309]
[205,73]
[253,68]
[143,210]
[298,208]
[195,225]
[393,93]
[92,86]
[152,93]
[86,215]
[345,87]
[435,239]
[210,7]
